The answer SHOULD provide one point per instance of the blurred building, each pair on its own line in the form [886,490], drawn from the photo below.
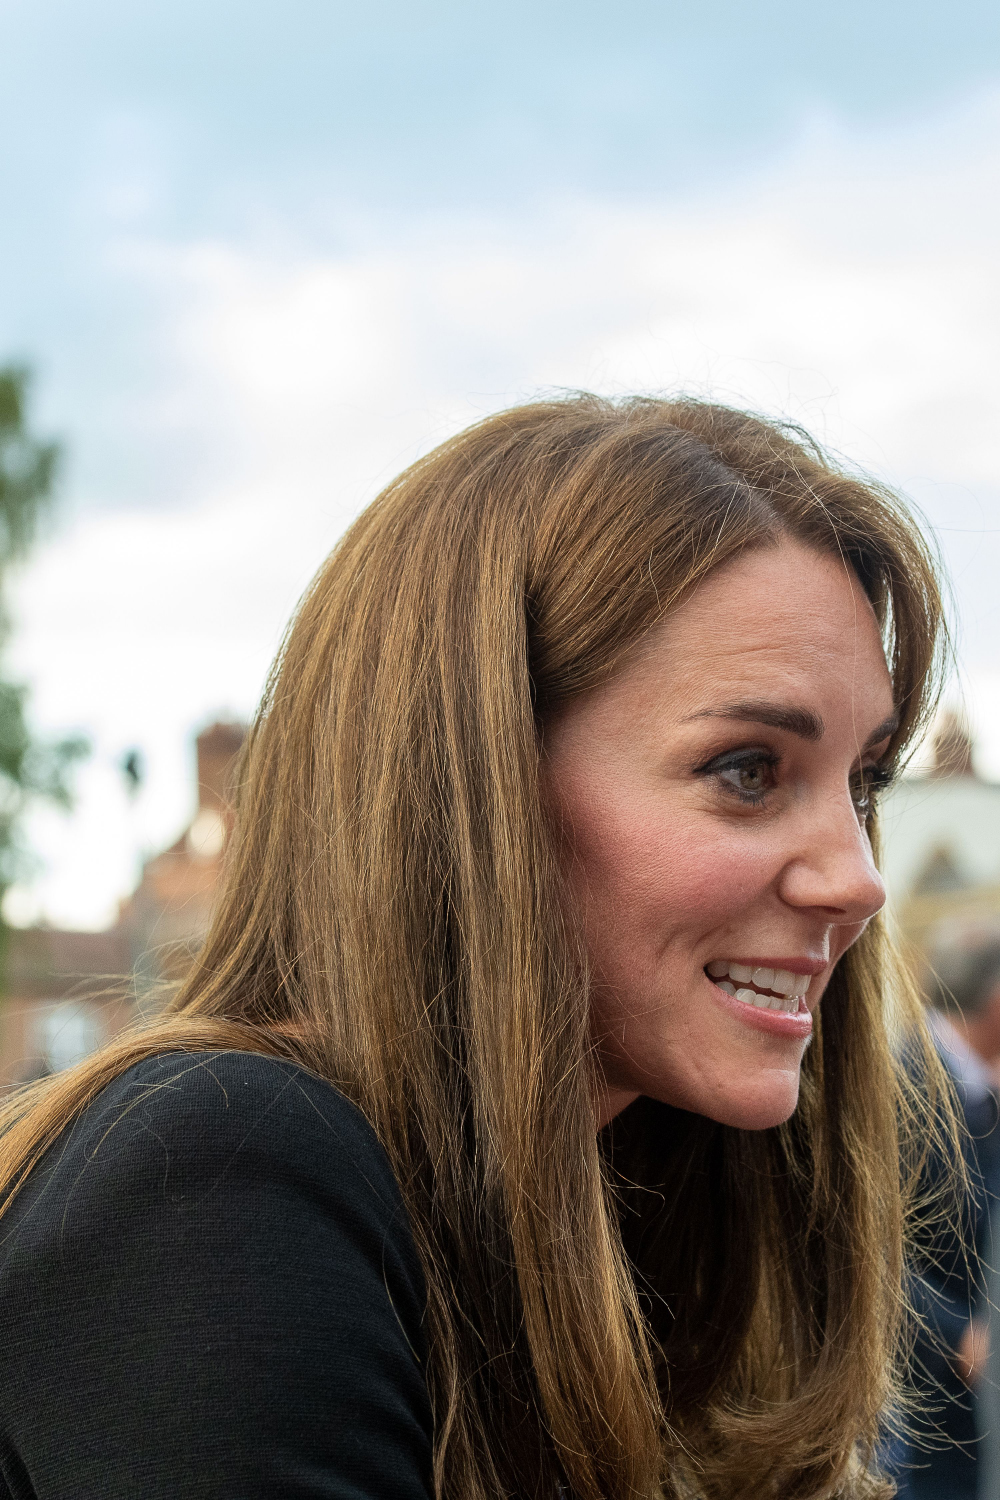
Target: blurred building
[167,915]
[67,992]
[64,993]
[941,844]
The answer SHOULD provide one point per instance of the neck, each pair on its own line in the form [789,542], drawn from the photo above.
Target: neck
[611,1102]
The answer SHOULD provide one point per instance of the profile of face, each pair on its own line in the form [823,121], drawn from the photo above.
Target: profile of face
[712,798]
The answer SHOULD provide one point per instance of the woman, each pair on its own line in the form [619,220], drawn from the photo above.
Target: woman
[527,1125]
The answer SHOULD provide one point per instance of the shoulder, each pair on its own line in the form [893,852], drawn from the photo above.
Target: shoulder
[214,1101]
[184,1134]
[231,1112]
[221,1237]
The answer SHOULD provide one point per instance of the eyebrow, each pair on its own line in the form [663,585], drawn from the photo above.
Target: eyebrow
[798,721]
[883,731]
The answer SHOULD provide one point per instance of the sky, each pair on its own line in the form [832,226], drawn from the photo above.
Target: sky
[260,257]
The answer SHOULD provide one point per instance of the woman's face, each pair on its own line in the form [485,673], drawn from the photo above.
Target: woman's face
[712,797]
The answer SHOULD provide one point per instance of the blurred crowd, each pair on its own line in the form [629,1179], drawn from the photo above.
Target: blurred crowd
[952,1449]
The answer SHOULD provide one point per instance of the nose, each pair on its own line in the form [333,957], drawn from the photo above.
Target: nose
[833,869]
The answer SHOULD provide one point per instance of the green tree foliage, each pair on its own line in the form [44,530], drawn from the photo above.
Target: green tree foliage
[32,769]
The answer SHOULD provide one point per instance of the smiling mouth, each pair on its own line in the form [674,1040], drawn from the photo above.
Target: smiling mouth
[765,989]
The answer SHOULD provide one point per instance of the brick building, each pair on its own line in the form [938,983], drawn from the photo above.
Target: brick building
[67,992]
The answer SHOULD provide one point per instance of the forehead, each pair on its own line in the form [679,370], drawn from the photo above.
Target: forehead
[786,619]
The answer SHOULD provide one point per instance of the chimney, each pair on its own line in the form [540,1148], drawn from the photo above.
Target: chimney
[218,746]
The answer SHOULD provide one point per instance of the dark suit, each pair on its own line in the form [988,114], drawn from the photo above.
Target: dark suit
[947,1291]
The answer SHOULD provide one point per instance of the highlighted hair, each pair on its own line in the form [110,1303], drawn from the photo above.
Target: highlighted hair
[673,1307]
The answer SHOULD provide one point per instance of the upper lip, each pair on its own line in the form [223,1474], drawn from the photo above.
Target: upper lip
[792,965]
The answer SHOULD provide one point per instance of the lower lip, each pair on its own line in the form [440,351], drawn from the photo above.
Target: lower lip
[794,1026]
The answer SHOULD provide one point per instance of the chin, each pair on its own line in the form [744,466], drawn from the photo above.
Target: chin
[761,1108]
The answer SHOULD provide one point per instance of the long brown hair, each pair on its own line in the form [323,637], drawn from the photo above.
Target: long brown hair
[672,1306]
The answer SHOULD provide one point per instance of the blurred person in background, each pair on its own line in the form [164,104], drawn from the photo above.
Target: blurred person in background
[471,1158]
[945,1459]
[965,987]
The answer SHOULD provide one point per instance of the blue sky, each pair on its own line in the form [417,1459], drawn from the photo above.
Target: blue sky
[260,256]
[443,102]
[327,126]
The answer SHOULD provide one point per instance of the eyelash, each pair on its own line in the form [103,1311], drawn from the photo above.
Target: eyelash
[875,780]
[871,780]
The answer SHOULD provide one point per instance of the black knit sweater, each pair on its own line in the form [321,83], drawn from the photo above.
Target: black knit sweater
[209,1287]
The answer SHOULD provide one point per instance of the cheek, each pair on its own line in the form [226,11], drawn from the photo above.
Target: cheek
[647,878]
[842,938]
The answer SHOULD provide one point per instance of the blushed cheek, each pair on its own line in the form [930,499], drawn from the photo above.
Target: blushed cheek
[648,886]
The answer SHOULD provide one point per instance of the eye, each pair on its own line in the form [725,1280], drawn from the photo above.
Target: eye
[866,785]
[749,774]
[753,777]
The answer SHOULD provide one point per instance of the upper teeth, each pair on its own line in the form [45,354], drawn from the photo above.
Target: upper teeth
[780,981]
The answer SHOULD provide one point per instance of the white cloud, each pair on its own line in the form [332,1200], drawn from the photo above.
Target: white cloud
[852,287]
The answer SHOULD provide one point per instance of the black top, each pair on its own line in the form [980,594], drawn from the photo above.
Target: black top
[209,1287]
